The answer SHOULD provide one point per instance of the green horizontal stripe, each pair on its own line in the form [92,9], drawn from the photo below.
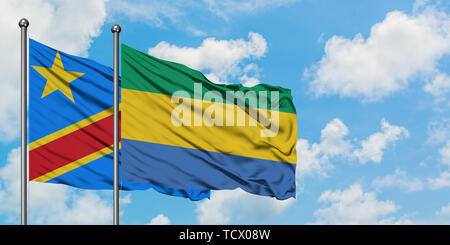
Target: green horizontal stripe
[144,72]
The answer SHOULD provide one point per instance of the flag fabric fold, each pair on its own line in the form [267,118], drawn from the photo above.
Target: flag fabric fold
[182,131]
[71,123]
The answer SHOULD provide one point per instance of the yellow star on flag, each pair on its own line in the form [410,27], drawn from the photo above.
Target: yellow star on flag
[58,78]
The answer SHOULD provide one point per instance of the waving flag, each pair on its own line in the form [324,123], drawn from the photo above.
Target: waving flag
[182,131]
[71,123]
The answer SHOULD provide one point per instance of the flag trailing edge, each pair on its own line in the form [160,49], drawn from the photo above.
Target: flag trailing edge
[71,123]
[182,131]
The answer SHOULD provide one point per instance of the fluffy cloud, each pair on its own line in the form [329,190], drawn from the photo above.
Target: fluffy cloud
[311,160]
[316,158]
[66,25]
[400,180]
[160,219]
[227,8]
[233,205]
[332,138]
[440,182]
[372,148]
[50,203]
[69,208]
[354,206]
[221,60]
[388,60]
[439,86]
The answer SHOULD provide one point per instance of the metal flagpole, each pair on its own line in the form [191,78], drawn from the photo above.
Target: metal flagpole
[23,24]
[116,30]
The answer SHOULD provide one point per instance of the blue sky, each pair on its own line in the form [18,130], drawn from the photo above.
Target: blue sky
[370,82]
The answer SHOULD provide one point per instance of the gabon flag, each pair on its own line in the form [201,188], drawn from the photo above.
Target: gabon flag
[71,124]
[180,130]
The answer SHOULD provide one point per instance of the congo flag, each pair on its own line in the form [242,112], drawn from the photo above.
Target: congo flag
[71,123]
[182,131]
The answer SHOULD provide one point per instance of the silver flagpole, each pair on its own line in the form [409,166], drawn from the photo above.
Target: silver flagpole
[23,24]
[116,30]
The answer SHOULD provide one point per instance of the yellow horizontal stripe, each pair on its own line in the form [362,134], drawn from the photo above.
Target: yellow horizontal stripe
[147,117]
[73,165]
[69,129]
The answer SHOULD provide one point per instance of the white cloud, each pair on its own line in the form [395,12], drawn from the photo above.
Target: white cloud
[316,158]
[439,86]
[160,219]
[354,206]
[438,131]
[250,74]
[84,208]
[440,182]
[9,108]
[228,8]
[220,60]
[445,153]
[228,206]
[399,180]
[444,211]
[10,184]
[332,138]
[249,81]
[50,203]
[386,61]
[372,148]
[311,160]
[65,25]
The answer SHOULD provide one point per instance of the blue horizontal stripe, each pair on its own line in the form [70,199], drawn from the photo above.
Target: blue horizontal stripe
[184,168]
[98,175]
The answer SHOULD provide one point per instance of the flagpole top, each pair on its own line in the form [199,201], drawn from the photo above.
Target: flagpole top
[115,28]
[24,23]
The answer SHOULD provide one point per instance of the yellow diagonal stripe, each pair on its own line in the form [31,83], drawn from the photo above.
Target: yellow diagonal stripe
[73,165]
[72,128]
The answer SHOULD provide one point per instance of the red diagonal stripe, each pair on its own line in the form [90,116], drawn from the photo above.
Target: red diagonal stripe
[72,147]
